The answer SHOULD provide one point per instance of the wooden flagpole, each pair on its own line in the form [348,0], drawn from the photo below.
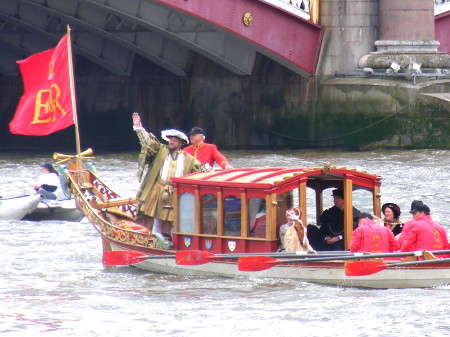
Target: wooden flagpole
[73,98]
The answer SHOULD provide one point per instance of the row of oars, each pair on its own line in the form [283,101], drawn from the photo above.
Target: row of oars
[366,265]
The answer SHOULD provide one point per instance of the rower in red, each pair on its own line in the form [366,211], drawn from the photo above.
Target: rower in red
[205,152]
[422,233]
[371,237]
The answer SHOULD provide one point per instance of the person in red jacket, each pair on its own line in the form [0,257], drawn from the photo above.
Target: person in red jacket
[373,238]
[422,233]
[205,152]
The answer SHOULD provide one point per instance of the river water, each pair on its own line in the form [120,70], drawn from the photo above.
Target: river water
[52,282]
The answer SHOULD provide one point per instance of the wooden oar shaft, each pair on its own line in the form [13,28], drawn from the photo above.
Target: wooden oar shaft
[349,257]
[439,252]
[414,263]
[114,203]
[281,255]
[324,254]
[156,257]
[363,268]
[361,256]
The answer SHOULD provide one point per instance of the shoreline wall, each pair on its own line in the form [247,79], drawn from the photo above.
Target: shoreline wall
[273,108]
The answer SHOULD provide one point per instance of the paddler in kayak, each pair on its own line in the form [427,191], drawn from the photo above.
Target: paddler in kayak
[165,161]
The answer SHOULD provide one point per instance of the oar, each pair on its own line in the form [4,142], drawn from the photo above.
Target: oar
[258,263]
[362,268]
[185,257]
[197,257]
[125,258]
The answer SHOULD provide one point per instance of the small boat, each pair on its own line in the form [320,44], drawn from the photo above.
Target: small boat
[15,208]
[62,210]
[216,232]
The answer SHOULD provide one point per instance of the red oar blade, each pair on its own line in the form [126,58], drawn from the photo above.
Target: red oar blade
[122,258]
[193,257]
[256,263]
[362,268]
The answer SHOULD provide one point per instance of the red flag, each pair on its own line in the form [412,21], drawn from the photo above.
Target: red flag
[45,106]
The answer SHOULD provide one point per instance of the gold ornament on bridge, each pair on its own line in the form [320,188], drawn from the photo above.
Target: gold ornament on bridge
[247,19]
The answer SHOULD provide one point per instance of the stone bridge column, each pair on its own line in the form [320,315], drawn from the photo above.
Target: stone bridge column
[406,37]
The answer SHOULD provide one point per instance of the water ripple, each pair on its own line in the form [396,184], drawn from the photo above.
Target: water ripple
[52,281]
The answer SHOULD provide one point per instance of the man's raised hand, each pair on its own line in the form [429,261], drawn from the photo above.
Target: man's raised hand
[136,120]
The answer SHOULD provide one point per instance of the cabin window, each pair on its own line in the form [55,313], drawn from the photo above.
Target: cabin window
[257,217]
[284,202]
[187,213]
[311,205]
[363,200]
[232,216]
[209,214]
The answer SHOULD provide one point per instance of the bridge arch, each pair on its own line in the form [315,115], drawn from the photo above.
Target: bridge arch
[168,33]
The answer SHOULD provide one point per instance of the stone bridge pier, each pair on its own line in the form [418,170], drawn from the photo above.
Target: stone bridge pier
[253,73]
[407,37]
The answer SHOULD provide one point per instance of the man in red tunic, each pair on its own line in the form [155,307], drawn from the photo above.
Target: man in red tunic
[422,233]
[371,237]
[205,152]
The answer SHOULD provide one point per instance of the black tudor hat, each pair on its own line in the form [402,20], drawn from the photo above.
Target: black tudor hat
[419,206]
[338,192]
[197,131]
[394,207]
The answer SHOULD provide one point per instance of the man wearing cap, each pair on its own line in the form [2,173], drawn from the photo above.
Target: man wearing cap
[332,223]
[422,233]
[165,161]
[373,238]
[206,153]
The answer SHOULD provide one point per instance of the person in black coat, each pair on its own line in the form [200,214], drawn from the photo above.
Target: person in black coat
[332,223]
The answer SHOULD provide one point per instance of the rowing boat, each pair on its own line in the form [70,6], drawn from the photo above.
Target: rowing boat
[61,209]
[56,210]
[15,208]
[219,213]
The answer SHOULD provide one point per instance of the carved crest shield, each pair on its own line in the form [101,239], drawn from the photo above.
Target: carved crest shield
[231,245]
[208,244]
[187,242]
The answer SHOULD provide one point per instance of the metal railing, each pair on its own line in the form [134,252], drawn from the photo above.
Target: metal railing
[296,7]
[440,2]
[441,6]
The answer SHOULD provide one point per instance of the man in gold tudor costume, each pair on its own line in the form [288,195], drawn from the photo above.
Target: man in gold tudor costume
[165,161]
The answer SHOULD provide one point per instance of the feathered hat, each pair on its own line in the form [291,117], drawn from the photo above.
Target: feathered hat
[166,134]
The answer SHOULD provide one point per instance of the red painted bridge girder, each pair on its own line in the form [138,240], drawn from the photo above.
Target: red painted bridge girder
[279,35]
[442,27]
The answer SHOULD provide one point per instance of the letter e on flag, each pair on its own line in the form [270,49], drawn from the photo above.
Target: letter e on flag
[45,106]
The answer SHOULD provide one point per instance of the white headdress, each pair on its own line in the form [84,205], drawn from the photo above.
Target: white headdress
[166,134]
